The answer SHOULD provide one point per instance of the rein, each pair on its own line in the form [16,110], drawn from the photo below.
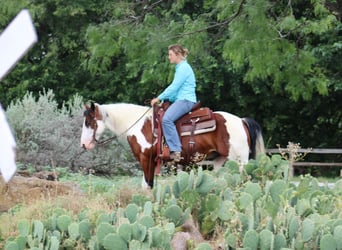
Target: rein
[104,142]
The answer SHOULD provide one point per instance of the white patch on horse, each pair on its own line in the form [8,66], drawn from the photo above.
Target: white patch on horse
[87,136]
[144,184]
[238,142]
[141,139]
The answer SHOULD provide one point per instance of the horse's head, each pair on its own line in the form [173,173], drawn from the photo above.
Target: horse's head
[93,126]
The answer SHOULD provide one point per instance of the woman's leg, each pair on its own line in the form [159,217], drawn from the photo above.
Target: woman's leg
[173,113]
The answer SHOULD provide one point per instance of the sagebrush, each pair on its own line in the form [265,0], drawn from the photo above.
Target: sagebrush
[49,135]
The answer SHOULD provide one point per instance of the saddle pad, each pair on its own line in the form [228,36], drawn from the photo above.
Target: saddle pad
[200,128]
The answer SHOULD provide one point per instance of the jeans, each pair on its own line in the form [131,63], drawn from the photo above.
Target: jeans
[172,114]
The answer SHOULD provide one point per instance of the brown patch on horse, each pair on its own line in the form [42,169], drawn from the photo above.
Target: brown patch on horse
[145,158]
[89,115]
[98,114]
[211,143]
[146,130]
[222,135]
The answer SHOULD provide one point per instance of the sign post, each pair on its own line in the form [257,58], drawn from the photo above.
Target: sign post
[18,37]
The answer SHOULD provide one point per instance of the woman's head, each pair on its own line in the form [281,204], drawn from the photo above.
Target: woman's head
[177,53]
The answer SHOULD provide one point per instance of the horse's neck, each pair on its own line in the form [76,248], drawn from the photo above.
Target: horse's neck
[121,117]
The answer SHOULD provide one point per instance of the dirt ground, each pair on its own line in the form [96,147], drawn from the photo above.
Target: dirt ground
[25,188]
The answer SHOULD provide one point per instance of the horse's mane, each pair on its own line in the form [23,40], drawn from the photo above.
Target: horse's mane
[120,116]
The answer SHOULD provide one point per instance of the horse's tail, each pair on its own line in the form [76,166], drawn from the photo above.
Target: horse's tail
[255,133]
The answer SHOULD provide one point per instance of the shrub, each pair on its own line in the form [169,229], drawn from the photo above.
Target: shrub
[49,135]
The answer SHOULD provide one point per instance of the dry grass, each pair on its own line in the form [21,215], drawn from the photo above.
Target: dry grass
[42,209]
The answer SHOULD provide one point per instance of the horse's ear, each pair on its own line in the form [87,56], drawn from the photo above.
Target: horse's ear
[92,106]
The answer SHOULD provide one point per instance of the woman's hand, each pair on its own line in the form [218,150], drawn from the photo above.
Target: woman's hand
[154,101]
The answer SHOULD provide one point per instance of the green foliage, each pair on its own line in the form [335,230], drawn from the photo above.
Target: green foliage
[84,229]
[267,59]
[24,227]
[327,242]
[131,212]
[266,239]
[175,214]
[74,231]
[113,240]
[63,222]
[251,240]
[103,230]
[38,230]
[12,245]
[252,214]
[139,231]
[203,246]
[308,227]
[125,232]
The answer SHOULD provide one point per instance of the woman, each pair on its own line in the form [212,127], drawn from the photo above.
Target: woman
[182,93]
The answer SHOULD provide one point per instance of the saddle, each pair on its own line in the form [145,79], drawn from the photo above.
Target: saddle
[198,121]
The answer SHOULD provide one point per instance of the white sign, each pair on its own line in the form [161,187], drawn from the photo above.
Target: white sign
[18,37]
[15,41]
[7,149]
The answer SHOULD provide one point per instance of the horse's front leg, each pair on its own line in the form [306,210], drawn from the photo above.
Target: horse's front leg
[148,166]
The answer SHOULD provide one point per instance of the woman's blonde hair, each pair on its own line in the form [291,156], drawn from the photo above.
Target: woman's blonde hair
[179,49]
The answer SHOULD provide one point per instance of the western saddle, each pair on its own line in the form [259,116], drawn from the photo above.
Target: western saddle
[198,121]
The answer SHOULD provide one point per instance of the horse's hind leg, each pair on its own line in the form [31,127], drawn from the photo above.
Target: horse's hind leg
[218,162]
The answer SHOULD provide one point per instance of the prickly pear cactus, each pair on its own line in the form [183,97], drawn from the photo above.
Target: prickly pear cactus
[308,228]
[84,229]
[338,236]
[225,210]
[131,212]
[24,227]
[139,231]
[114,241]
[276,190]
[245,200]
[38,230]
[125,232]
[54,243]
[63,221]
[203,246]
[147,221]
[183,181]
[293,227]
[328,242]
[251,240]
[175,214]
[11,245]
[159,238]
[266,239]
[279,242]
[254,190]
[103,230]
[148,208]
[21,241]
[103,217]
[206,184]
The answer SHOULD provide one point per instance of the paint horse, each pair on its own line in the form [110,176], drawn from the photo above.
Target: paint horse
[233,138]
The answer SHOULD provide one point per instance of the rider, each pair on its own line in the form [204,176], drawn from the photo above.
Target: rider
[182,93]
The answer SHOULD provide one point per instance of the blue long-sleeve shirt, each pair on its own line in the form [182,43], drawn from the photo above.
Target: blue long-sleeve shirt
[183,86]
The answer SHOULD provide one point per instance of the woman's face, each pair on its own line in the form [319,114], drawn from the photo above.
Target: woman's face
[174,58]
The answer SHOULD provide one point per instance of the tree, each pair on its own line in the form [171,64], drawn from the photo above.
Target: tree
[276,61]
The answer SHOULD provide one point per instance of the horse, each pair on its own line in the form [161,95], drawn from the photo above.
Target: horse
[233,138]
